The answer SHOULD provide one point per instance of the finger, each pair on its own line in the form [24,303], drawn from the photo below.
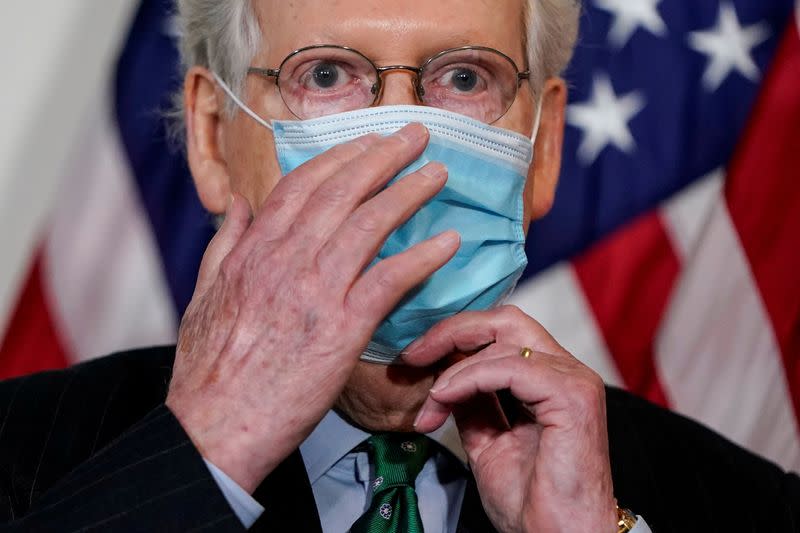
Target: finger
[381,287]
[493,351]
[360,237]
[435,413]
[237,220]
[471,330]
[293,191]
[547,386]
[530,381]
[336,198]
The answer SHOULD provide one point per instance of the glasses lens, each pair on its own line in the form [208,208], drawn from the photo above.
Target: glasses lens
[481,84]
[325,80]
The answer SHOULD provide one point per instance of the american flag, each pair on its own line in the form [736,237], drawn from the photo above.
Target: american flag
[670,262]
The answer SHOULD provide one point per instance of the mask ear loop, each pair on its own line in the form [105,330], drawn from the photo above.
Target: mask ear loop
[239,103]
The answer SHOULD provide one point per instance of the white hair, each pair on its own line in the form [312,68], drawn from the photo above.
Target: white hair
[551,31]
[224,36]
[220,35]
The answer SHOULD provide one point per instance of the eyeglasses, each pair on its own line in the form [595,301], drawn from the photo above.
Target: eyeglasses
[320,80]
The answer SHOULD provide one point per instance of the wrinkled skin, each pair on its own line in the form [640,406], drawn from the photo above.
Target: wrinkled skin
[283,309]
[532,474]
[282,312]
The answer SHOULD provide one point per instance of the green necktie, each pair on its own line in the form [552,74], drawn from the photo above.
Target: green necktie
[397,459]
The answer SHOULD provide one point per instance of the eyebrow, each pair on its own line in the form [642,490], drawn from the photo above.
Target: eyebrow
[443,41]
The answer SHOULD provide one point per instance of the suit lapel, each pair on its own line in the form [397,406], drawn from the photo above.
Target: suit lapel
[287,497]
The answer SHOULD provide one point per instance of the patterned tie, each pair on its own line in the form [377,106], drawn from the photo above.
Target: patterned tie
[397,460]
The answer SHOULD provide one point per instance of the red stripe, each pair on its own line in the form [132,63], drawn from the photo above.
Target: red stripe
[763,194]
[627,280]
[32,342]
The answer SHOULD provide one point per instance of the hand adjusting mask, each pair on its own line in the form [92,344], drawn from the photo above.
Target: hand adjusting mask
[482,200]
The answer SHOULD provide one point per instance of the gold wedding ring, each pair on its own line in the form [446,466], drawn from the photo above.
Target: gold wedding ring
[525,353]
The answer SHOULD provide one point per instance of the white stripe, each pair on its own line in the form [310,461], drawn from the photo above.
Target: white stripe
[556,299]
[686,214]
[717,353]
[102,270]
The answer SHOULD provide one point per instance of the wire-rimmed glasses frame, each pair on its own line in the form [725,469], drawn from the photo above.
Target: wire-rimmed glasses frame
[419,72]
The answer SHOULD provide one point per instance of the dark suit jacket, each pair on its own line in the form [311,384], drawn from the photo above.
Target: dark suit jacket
[94,448]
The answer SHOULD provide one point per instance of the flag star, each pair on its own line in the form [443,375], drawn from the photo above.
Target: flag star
[630,15]
[604,120]
[729,47]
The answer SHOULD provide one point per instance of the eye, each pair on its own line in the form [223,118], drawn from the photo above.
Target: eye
[464,79]
[325,75]
[460,80]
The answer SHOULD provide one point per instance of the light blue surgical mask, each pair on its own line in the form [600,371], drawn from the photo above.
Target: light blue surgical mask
[482,200]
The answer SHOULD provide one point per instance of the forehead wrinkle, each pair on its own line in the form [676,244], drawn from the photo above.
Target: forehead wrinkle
[396,31]
[394,47]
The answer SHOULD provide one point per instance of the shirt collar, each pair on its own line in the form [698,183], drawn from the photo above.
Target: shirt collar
[334,437]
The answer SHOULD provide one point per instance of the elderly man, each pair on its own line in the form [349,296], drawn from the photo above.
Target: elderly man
[374,164]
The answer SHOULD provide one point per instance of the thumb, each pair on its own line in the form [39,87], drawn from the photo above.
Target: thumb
[237,220]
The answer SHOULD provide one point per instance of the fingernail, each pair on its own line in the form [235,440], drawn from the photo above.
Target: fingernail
[421,413]
[413,347]
[448,239]
[439,386]
[434,170]
[412,132]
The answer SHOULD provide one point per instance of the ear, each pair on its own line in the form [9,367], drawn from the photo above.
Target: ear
[203,106]
[540,188]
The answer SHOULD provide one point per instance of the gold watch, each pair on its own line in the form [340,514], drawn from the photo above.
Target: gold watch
[625,520]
